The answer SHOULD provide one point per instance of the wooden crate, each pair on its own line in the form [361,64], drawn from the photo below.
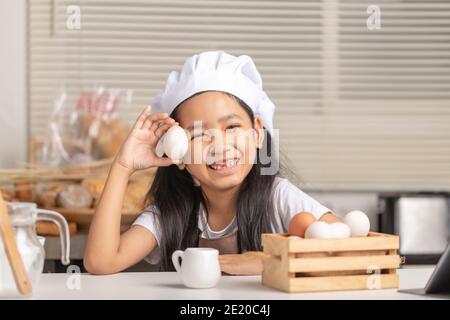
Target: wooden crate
[307,265]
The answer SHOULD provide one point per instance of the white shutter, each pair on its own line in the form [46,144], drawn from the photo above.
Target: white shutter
[357,109]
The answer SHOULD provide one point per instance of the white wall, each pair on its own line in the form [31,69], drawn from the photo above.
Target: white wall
[13,83]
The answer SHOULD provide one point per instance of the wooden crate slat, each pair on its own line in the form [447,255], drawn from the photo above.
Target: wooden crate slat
[275,244]
[360,282]
[347,244]
[343,263]
[355,253]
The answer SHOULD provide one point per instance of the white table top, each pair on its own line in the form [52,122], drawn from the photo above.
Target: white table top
[167,285]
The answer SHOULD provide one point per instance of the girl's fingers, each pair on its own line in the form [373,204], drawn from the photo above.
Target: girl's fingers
[162,129]
[153,118]
[152,125]
[157,124]
[147,123]
[141,119]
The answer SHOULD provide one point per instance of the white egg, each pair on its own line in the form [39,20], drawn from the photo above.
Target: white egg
[159,150]
[338,230]
[317,230]
[358,222]
[174,143]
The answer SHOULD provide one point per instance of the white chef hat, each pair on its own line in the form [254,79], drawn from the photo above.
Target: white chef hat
[219,71]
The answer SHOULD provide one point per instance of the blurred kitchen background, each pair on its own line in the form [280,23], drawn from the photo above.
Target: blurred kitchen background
[362,90]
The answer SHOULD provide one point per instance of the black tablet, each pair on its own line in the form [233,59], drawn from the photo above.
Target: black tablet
[439,282]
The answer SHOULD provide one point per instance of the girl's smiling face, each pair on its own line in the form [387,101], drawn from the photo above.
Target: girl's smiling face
[223,139]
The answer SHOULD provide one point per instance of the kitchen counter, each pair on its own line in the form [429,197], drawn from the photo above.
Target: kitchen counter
[168,285]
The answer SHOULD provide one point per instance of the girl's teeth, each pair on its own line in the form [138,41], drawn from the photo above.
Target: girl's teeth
[228,163]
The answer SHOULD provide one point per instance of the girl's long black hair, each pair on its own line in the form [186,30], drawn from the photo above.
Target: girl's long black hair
[178,202]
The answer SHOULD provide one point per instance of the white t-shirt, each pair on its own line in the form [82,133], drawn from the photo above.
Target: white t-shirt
[288,201]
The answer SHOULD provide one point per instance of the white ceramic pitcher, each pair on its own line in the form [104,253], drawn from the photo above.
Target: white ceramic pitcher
[199,267]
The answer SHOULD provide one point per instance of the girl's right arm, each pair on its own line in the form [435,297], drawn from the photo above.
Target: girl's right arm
[107,251]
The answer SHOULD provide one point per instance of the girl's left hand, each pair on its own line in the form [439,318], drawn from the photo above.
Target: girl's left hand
[249,263]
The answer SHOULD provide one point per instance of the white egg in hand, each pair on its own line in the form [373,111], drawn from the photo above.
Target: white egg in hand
[358,222]
[174,143]
[159,150]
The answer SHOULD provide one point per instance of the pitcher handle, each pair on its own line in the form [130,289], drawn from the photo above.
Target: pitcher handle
[176,259]
[63,227]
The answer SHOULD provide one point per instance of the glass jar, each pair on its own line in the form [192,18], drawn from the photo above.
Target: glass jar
[23,217]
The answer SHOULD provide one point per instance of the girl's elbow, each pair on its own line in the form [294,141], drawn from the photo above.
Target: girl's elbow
[96,267]
[90,266]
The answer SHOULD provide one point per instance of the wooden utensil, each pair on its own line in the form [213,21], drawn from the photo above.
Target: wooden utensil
[23,283]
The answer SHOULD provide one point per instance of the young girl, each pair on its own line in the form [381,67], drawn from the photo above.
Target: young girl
[226,199]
